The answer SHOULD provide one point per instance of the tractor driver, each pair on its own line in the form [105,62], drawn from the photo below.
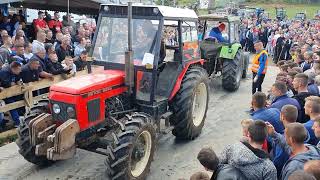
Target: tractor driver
[216,33]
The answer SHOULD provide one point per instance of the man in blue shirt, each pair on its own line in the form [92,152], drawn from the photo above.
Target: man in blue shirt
[312,108]
[216,32]
[271,115]
[9,76]
[279,91]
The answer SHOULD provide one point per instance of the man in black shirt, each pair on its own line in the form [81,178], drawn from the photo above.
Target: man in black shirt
[81,62]
[300,84]
[64,49]
[32,71]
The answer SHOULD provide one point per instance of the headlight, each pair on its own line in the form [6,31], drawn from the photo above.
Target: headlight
[56,108]
[71,112]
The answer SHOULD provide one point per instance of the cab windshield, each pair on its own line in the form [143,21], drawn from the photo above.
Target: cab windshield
[112,39]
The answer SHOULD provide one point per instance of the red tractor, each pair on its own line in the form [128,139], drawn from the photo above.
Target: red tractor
[151,78]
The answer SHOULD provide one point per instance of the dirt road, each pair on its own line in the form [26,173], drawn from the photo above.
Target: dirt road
[173,159]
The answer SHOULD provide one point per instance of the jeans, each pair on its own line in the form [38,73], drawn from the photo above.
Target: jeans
[14,113]
[257,85]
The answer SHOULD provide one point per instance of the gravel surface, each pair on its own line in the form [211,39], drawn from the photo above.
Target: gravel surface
[173,159]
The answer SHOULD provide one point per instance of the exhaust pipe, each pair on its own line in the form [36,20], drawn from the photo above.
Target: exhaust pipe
[129,66]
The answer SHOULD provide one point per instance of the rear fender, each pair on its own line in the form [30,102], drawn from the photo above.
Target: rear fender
[180,77]
[228,52]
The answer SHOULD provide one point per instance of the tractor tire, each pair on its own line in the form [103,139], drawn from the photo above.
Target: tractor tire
[232,72]
[246,60]
[190,104]
[135,141]
[23,141]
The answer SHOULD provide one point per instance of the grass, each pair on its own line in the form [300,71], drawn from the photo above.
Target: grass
[291,9]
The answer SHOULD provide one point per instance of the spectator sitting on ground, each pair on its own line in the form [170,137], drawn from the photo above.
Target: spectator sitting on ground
[19,57]
[5,49]
[272,115]
[279,91]
[301,175]
[32,71]
[64,49]
[312,167]
[80,47]
[293,144]
[10,76]
[209,160]
[249,158]
[54,67]
[312,108]
[300,84]
[39,42]
[28,51]
[81,61]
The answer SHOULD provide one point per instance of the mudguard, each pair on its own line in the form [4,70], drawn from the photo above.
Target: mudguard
[228,52]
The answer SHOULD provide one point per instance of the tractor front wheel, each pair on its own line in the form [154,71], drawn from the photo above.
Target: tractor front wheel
[232,72]
[190,104]
[132,150]
[26,149]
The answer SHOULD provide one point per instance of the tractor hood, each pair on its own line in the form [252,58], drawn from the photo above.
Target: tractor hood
[90,82]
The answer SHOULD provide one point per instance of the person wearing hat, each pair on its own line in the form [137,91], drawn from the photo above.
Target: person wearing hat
[216,32]
[259,66]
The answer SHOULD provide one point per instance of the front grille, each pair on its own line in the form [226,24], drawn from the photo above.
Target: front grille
[62,116]
[93,107]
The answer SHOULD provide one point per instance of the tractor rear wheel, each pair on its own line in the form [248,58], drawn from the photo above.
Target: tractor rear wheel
[232,72]
[190,104]
[132,150]
[23,141]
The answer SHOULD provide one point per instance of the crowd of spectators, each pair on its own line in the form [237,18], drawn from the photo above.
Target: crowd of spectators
[281,139]
[52,47]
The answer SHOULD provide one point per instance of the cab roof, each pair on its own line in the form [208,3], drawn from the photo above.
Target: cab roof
[223,18]
[170,13]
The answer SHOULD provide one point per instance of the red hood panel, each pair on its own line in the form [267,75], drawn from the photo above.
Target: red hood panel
[90,82]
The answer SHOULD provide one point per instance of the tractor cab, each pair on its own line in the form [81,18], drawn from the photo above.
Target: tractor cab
[231,23]
[164,40]
[301,16]
[147,76]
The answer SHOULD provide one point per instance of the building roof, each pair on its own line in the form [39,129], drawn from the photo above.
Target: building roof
[170,13]
[223,18]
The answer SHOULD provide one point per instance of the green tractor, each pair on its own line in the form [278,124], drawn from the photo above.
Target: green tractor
[225,58]
[281,13]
